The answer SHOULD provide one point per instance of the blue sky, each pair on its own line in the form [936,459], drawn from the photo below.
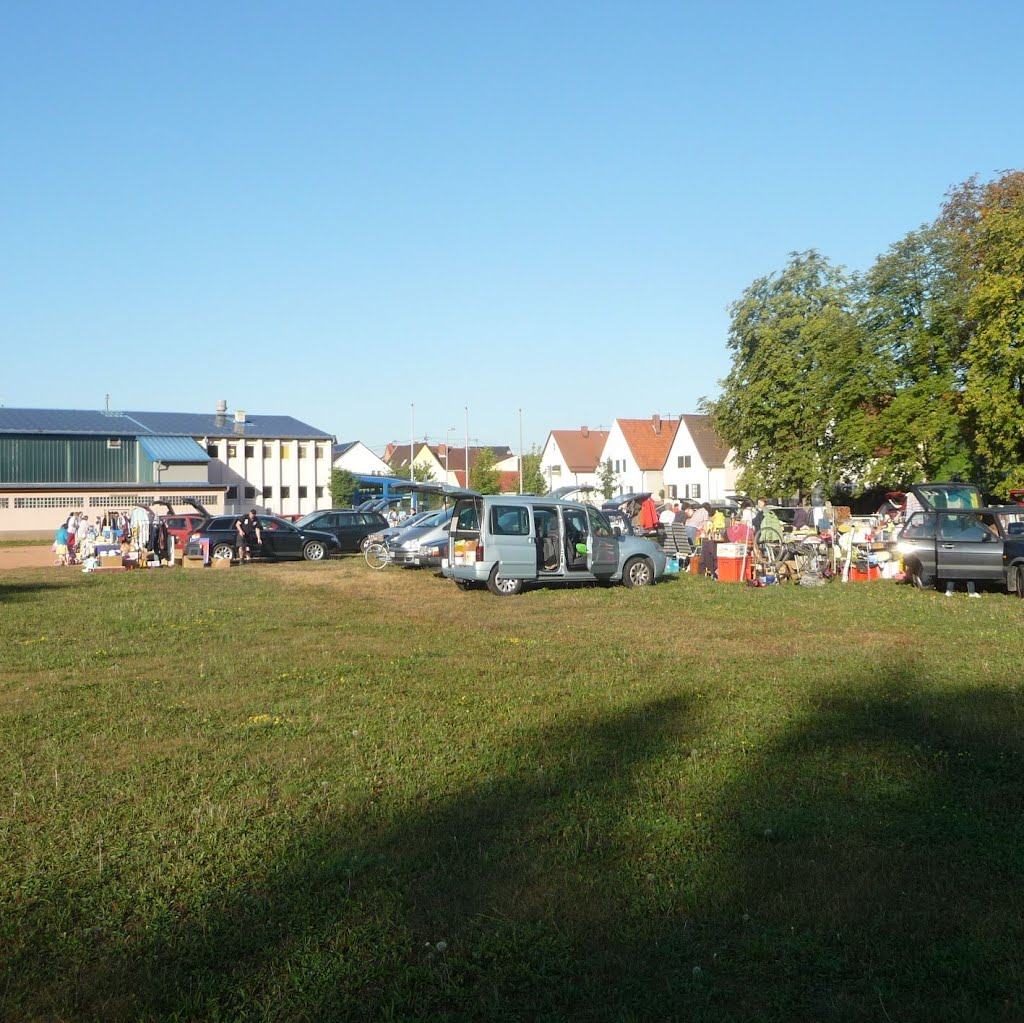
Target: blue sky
[339,211]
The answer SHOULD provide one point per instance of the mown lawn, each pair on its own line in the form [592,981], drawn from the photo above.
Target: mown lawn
[316,792]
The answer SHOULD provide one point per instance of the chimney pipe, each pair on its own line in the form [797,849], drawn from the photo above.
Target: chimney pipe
[584,431]
[221,407]
[656,423]
[239,415]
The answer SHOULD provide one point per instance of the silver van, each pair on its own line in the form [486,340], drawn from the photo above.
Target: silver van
[509,541]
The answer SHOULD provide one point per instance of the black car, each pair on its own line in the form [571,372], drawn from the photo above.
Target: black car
[282,540]
[351,528]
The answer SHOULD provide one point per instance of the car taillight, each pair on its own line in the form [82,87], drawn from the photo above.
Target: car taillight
[479,550]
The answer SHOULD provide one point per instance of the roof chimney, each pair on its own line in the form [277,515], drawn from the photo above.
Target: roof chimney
[584,431]
[221,407]
[239,415]
[656,423]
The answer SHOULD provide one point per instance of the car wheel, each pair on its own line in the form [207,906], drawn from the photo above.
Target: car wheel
[638,572]
[502,587]
[314,551]
[1020,581]
[222,552]
[363,544]
[920,579]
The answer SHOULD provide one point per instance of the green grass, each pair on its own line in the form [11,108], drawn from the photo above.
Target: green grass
[307,792]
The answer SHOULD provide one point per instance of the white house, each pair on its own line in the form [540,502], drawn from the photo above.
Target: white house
[638,449]
[355,457]
[699,466]
[571,457]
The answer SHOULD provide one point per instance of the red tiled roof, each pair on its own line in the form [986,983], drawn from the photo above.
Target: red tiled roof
[650,448]
[581,449]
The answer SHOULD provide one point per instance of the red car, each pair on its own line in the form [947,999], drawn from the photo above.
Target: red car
[181,525]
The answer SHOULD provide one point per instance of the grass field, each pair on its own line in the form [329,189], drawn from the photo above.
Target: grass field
[312,792]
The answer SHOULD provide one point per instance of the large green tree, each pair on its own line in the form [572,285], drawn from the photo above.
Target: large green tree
[988,224]
[483,476]
[784,407]
[911,315]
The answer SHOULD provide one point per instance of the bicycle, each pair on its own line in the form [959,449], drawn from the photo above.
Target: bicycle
[378,555]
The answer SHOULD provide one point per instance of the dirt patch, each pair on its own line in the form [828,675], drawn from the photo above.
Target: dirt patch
[25,557]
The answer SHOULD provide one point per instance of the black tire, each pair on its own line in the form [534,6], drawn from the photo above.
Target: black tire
[314,551]
[1020,581]
[223,552]
[921,580]
[363,544]
[770,546]
[638,571]
[502,587]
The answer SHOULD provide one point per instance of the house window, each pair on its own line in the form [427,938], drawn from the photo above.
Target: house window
[113,443]
[211,450]
[250,492]
[266,450]
[302,451]
[286,492]
[672,492]
[231,494]
[249,451]
[556,470]
[286,452]
[268,492]
[232,450]
[319,492]
[693,490]
[683,462]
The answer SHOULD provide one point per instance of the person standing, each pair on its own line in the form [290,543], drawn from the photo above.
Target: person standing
[249,535]
[60,543]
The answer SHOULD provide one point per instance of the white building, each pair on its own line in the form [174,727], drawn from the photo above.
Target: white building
[571,457]
[699,466]
[355,457]
[638,450]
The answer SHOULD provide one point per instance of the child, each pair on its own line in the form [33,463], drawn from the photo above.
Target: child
[60,544]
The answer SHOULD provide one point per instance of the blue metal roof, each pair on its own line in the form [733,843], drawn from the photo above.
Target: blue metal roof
[173,450]
[165,424]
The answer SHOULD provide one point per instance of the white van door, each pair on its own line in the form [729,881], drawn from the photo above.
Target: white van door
[509,539]
[603,556]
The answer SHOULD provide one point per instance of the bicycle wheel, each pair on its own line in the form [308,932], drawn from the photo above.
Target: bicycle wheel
[770,547]
[377,555]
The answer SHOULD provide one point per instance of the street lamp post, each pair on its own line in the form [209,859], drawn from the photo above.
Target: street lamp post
[447,434]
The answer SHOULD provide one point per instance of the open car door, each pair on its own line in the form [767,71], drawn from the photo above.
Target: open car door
[603,556]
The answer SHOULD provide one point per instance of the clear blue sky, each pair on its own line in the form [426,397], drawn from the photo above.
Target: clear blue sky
[338,210]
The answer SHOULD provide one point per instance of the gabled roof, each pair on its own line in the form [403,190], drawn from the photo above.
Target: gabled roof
[457,456]
[581,449]
[166,424]
[712,449]
[650,440]
[337,450]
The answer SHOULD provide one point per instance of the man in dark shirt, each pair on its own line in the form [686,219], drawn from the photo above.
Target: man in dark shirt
[249,535]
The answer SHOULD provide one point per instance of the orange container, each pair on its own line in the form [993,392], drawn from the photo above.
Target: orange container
[859,575]
[730,570]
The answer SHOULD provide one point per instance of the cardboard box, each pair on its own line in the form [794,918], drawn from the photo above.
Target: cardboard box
[221,563]
[193,562]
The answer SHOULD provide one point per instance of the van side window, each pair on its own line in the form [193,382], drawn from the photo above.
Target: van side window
[599,525]
[509,520]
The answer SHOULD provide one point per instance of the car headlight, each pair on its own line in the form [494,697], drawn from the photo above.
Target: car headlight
[409,545]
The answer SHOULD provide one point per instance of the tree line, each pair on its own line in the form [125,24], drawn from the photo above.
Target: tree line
[913,370]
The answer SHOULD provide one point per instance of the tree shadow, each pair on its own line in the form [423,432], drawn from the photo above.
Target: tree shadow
[863,865]
[11,592]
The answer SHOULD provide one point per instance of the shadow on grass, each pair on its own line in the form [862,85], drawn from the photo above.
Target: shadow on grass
[865,865]
[11,592]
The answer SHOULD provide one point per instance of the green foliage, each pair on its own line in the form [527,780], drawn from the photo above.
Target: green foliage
[989,219]
[912,421]
[483,476]
[422,472]
[607,478]
[534,481]
[795,377]
[343,486]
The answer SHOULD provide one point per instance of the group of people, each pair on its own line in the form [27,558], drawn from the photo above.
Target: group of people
[133,532]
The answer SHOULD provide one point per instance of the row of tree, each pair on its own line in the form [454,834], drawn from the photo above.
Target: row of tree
[913,370]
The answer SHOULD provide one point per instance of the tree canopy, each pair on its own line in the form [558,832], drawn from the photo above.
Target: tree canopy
[913,370]
[483,476]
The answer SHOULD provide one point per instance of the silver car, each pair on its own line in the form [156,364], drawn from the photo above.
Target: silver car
[405,546]
[506,542]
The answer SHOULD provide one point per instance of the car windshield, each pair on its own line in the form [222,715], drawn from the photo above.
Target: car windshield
[307,520]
